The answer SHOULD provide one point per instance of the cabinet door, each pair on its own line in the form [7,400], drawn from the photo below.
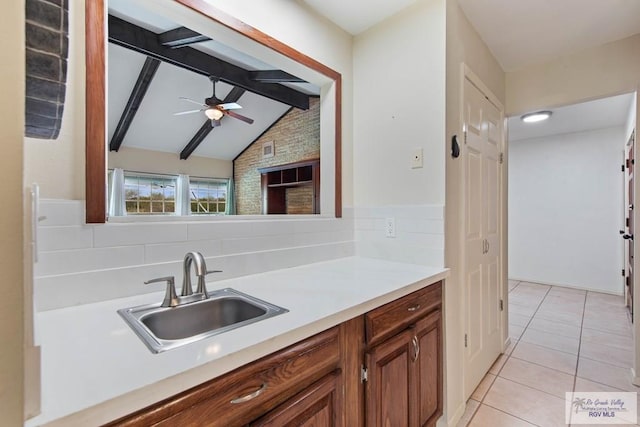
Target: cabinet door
[389,383]
[317,406]
[427,395]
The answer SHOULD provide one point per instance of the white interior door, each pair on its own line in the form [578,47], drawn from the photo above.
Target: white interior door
[483,126]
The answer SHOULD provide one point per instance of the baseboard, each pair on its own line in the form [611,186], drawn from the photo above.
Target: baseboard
[635,380]
[581,288]
[453,421]
[506,344]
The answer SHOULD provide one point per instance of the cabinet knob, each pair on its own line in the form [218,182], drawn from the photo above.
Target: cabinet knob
[416,347]
[414,308]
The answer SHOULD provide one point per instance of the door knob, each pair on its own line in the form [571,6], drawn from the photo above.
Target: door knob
[627,236]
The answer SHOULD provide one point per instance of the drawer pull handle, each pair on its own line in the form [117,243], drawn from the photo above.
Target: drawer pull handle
[416,347]
[251,396]
[414,308]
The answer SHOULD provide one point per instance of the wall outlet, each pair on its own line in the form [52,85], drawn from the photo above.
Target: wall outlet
[390,227]
[416,158]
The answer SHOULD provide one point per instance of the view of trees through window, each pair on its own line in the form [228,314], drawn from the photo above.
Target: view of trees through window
[149,195]
[208,196]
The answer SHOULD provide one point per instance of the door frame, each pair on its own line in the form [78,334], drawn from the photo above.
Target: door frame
[467,74]
[635,370]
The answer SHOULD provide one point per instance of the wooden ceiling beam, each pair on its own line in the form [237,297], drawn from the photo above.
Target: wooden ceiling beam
[146,42]
[181,37]
[145,77]
[207,127]
[197,139]
[274,76]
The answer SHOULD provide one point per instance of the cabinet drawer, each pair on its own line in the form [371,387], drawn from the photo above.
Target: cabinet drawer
[397,315]
[243,395]
[318,405]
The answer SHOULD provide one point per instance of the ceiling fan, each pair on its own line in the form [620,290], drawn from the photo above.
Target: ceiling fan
[215,108]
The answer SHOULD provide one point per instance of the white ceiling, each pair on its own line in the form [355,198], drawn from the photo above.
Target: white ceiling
[355,16]
[518,32]
[524,32]
[156,128]
[598,114]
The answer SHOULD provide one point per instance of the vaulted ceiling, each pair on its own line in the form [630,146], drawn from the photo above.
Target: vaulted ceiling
[148,96]
[518,32]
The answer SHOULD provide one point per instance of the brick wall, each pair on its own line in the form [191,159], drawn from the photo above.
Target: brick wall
[296,137]
[47,47]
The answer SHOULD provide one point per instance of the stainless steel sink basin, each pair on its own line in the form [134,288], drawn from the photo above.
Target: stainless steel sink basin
[164,328]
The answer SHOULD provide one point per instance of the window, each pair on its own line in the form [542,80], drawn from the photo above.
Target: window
[140,193]
[149,194]
[208,196]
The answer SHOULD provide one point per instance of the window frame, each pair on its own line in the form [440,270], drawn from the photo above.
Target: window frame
[164,201]
[198,179]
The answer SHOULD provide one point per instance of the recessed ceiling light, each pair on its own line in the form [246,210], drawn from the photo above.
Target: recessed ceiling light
[538,116]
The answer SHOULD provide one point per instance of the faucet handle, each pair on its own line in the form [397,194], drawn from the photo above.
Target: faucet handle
[160,279]
[202,286]
[170,297]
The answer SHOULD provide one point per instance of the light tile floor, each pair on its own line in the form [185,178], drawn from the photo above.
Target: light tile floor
[561,340]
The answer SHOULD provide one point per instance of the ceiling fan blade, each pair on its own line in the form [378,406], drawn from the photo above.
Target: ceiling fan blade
[239,117]
[229,106]
[192,101]
[187,112]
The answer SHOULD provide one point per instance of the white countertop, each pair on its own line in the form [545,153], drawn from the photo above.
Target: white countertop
[95,369]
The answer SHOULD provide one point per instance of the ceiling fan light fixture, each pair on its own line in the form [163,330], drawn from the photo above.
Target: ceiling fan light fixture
[213,113]
[538,116]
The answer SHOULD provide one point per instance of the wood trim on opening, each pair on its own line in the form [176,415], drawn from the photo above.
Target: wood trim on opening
[96,95]
[95,166]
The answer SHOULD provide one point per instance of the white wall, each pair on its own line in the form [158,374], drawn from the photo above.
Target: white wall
[12,87]
[58,165]
[399,77]
[565,210]
[135,159]
[464,45]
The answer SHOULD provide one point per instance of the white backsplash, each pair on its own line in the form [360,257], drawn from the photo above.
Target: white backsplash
[81,264]
[419,233]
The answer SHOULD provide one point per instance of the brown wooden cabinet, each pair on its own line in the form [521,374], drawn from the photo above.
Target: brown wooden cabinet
[317,381]
[278,182]
[319,405]
[247,393]
[404,371]
[389,386]
[428,369]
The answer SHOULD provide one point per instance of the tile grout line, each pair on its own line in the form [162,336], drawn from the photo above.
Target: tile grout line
[530,320]
[575,377]
[506,413]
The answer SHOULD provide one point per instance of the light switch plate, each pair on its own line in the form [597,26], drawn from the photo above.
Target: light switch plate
[416,158]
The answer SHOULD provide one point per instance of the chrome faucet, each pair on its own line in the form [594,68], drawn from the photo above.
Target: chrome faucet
[197,260]
[186,295]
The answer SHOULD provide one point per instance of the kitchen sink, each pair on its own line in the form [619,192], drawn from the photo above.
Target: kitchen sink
[165,328]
